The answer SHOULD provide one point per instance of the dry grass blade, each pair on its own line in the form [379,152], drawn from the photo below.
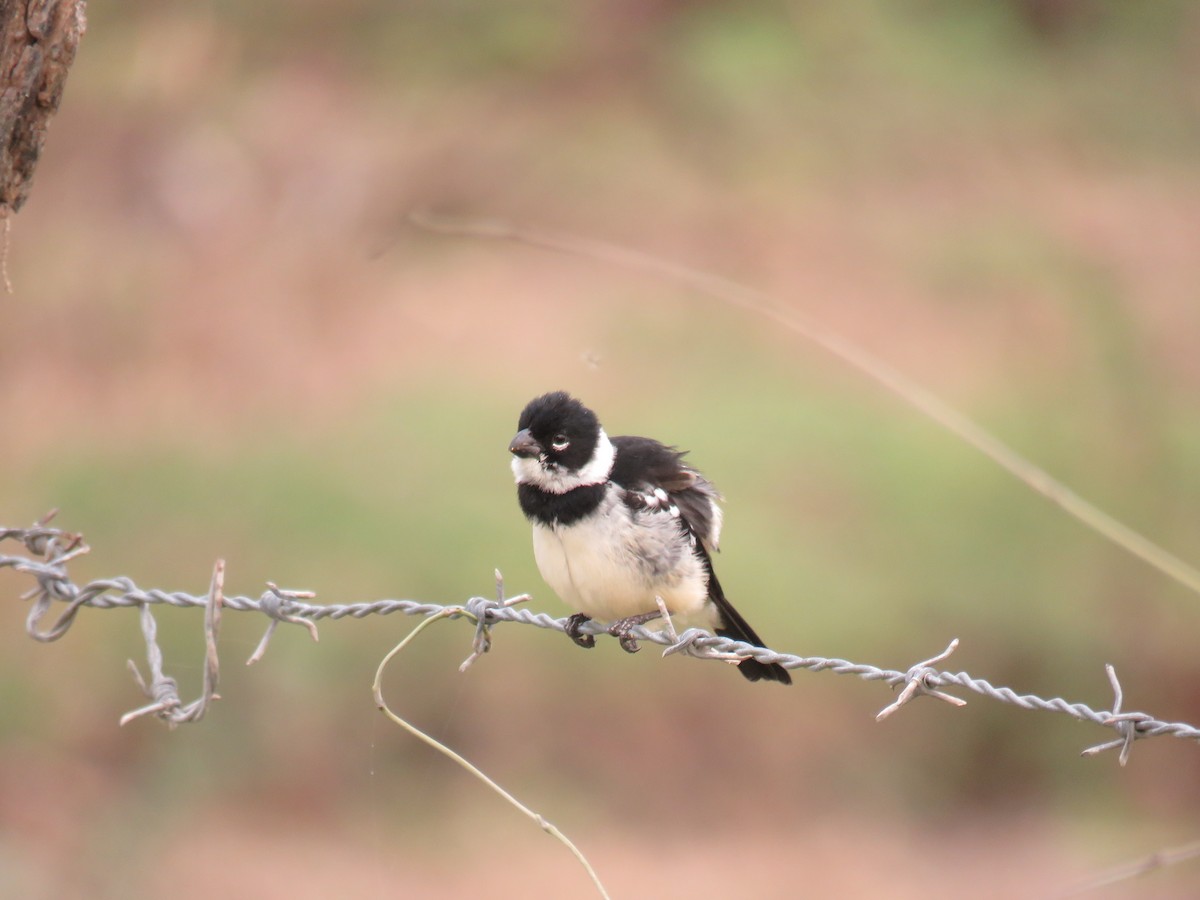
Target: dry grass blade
[929,404]
[1155,861]
[377,689]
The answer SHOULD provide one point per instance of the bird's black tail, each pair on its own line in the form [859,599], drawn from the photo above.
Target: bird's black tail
[732,625]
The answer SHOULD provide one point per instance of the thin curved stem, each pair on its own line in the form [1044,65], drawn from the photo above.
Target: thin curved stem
[546,826]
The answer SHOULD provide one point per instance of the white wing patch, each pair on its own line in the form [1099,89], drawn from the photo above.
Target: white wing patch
[699,510]
[656,500]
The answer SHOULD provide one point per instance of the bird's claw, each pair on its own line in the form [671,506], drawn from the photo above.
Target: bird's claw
[574,623]
[620,630]
[627,641]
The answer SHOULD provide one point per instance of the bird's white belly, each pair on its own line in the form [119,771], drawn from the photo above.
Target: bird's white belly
[613,564]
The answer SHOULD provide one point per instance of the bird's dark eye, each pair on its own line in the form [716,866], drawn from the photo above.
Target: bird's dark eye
[560,443]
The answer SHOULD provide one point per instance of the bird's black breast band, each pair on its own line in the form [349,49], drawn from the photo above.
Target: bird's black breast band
[548,508]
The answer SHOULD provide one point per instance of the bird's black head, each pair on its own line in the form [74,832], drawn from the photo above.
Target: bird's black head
[557,430]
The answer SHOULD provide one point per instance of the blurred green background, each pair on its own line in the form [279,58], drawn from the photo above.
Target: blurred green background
[226,341]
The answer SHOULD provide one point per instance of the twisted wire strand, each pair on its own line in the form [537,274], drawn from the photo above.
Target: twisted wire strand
[50,550]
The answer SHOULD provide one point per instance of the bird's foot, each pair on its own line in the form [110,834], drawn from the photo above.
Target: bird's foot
[620,629]
[574,623]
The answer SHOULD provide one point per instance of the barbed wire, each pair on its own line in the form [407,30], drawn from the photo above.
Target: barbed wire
[50,549]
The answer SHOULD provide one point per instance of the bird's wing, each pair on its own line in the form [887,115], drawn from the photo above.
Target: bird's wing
[654,477]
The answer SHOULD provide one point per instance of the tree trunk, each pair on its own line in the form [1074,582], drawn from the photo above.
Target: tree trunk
[37,47]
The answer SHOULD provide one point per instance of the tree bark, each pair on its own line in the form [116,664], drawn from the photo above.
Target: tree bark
[37,47]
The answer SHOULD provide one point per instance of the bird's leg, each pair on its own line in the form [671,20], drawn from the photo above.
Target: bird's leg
[574,622]
[620,629]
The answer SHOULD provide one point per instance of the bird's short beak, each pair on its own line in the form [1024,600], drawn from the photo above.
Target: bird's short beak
[524,445]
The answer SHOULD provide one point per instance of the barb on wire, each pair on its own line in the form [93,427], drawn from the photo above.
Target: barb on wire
[275,602]
[917,682]
[477,609]
[49,550]
[1125,723]
[162,689]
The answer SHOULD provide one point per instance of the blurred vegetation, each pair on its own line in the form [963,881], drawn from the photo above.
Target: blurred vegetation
[225,343]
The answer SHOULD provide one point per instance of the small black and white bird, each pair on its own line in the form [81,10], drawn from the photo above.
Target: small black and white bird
[620,521]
